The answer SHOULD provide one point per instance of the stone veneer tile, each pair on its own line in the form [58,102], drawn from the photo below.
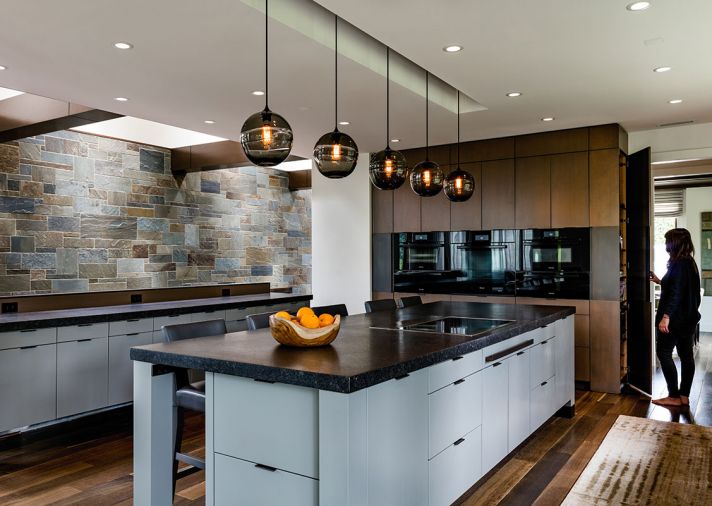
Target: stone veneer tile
[39,260]
[93,256]
[70,285]
[67,261]
[64,223]
[108,227]
[124,265]
[151,161]
[93,271]
[17,205]
[23,244]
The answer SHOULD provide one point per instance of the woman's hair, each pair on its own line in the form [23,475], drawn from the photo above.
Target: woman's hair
[678,243]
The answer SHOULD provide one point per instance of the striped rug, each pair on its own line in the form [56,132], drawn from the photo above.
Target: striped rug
[643,461]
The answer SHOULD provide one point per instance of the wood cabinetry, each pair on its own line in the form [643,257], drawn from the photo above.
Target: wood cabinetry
[468,215]
[435,211]
[569,190]
[381,211]
[497,190]
[406,209]
[605,345]
[532,192]
[603,188]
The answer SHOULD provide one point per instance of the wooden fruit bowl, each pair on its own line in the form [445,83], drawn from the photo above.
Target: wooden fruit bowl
[292,334]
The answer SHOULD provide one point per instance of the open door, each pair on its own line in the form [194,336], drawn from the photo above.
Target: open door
[641,362]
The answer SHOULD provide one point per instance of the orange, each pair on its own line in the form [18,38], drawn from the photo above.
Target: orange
[304,311]
[325,320]
[283,314]
[310,321]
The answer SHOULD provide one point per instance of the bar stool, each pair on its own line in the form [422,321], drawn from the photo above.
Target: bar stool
[380,305]
[412,300]
[333,310]
[189,394]
[258,320]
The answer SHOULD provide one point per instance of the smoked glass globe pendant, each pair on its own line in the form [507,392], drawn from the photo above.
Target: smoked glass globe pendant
[459,184]
[335,153]
[266,137]
[387,169]
[426,179]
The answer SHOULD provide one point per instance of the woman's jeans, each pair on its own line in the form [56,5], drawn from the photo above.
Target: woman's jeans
[684,344]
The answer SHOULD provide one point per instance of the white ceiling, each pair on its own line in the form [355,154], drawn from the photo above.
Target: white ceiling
[582,62]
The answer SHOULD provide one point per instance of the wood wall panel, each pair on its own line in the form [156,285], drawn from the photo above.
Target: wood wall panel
[497,190]
[381,211]
[604,136]
[406,209]
[569,190]
[603,188]
[581,330]
[484,150]
[468,215]
[582,364]
[550,143]
[604,328]
[532,192]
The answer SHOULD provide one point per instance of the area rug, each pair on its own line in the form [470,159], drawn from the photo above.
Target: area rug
[643,461]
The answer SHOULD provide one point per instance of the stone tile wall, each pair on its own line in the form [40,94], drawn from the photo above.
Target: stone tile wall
[84,213]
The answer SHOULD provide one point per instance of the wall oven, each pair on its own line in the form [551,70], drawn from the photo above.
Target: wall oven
[421,262]
[485,262]
[555,263]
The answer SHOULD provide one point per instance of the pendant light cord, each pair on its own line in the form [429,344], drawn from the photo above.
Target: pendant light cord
[458,129]
[336,72]
[266,54]
[427,120]
[388,97]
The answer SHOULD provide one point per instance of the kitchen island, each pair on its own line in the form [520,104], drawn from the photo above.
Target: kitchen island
[381,416]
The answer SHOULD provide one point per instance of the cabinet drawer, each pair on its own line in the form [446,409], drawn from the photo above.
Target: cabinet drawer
[456,469]
[445,373]
[27,337]
[496,352]
[547,331]
[82,331]
[543,366]
[130,326]
[218,314]
[454,411]
[82,376]
[177,319]
[250,420]
[236,325]
[28,386]
[239,482]
[542,402]
[237,313]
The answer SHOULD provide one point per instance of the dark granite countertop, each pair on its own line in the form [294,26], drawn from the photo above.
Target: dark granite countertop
[63,317]
[360,356]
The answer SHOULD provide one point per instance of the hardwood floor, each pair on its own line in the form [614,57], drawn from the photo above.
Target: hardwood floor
[91,463]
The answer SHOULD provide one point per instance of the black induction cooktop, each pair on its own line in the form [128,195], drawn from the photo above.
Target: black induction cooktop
[453,325]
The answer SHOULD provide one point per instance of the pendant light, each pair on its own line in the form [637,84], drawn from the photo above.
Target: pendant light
[426,179]
[387,168]
[459,184]
[266,136]
[336,153]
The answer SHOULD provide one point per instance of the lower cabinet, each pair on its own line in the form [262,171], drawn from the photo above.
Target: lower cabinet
[542,403]
[240,482]
[28,386]
[454,411]
[82,375]
[495,413]
[454,470]
[121,366]
[519,389]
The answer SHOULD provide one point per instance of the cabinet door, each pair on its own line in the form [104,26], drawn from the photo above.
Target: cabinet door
[468,215]
[564,378]
[569,190]
[495,414]
[497,189]
[28,386]
[603,183]
[382,209]
[406,209]
[454,411]
[82,376]
[435,211]
[121,366]
[398,441]
[541,403]
[533,192]
[456,469]
[543,367]
[605,346]
[518,397]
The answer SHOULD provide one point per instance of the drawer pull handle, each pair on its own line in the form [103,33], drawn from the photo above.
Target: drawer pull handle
[496,364]
[544,342]
[83,340]
[509,351]
[134,320]
[462,380]
[133,334]
[266,468]
[544,383]
[461,440]
[264,381]
[458,358]
[27,347]
[29,330]
[401,376]
[85,325]
[520,353]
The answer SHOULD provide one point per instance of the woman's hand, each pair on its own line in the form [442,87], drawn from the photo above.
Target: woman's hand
[663,326]
[654,278]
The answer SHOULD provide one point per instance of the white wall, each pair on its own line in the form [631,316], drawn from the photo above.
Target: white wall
[674,143]
[698,200]
[341,238]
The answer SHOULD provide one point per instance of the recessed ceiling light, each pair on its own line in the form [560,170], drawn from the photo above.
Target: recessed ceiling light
[662,69]
[638,6]
[675,101]
[123,45]
[121,99]
[344,123]
[395,140]
[514,94]
[548,118]
[3,67]
[452,49]
[209,122]
[258,93]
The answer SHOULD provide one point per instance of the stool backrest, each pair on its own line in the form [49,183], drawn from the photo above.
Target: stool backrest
[412,300]
[258,321]
[333,310]
[195,329]
[380,305]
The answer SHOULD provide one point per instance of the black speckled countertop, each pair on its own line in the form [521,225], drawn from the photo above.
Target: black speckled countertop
[63,317]
[361,356]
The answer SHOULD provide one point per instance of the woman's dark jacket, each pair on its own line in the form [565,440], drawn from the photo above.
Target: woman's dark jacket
[680,296]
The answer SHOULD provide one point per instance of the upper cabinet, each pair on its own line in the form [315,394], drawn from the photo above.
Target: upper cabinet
[569,190]
[497,193]
[381,211]
[435,210]
[467,215]
[406,209]
[604,210]
[532,192]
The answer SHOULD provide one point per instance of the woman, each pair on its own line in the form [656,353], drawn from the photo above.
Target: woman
[677,316]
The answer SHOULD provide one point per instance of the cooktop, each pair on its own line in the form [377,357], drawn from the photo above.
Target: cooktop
[453,325]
